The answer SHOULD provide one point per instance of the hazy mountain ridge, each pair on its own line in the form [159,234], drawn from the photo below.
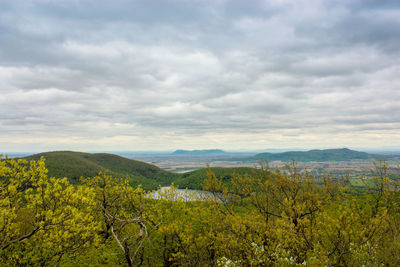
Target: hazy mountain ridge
[319,155]
[202,152]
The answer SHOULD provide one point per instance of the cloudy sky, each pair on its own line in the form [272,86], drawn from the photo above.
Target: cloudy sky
[155,75]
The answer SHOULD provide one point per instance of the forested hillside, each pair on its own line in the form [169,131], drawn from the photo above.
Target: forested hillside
[195,179]
[74,165]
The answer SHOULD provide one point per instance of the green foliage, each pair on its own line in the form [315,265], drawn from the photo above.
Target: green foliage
[292,220]
[41,218]
[255,218]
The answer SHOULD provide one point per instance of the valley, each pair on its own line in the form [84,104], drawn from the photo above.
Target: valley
[173,208]
[188,169]
[309,160]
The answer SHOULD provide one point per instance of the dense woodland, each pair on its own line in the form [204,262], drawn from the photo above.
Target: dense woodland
[264,218]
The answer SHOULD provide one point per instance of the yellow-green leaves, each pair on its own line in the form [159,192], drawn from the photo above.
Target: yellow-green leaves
[45,217]
[272,218]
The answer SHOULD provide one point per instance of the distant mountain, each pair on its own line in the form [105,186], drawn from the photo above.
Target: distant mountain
[73,165]
[204,152]
[341,154]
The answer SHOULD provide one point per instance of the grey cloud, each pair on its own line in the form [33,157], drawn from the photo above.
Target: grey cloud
[105,69]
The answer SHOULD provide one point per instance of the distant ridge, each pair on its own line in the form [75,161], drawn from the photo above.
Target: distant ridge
[203,152]
[73,165]
[339,154]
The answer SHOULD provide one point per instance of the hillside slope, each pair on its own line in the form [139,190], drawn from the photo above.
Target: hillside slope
[73,165]
[195,179]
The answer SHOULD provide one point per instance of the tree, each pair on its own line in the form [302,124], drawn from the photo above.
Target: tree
[124,213]
[42,219]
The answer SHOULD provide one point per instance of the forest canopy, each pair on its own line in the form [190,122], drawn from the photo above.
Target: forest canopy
[266,218]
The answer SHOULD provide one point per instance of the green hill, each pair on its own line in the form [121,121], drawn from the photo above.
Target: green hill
[73,165]
[195,179]
[341,154]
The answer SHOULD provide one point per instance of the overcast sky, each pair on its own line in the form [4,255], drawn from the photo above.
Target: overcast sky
[155,75]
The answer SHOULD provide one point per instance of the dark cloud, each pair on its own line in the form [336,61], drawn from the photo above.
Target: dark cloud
[233,74]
